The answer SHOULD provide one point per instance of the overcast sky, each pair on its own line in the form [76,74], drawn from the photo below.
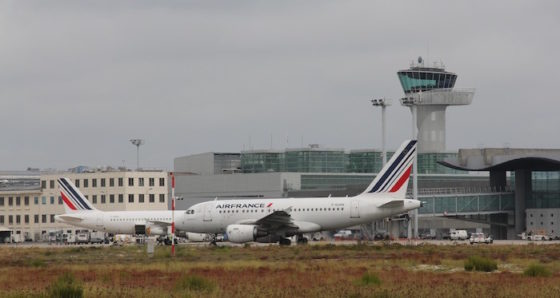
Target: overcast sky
[78,79]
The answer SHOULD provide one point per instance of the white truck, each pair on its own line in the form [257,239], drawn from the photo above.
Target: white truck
[535,236]
[69,238]
[97,237]
[82,236]
[480,238]
[458,235]
[343,235]
[17,238]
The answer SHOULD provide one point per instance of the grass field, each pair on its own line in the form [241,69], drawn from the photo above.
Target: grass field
[272,271]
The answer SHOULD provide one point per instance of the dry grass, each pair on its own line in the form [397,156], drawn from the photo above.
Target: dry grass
[310,271]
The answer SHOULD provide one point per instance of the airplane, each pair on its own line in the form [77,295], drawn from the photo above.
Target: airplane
[277,219]
[80,212]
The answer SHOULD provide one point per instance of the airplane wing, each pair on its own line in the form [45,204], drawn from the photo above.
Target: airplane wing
[393,204]
[277,220]
[159,223]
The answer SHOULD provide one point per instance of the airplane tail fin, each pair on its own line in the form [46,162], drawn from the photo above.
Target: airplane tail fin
[392,180]
[74,200]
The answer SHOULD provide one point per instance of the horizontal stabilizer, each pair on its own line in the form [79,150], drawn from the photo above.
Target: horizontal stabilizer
[70,218]
[393,204]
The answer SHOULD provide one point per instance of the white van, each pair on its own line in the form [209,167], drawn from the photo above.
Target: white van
[458,235]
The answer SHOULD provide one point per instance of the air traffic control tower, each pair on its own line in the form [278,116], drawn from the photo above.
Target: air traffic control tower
[430,91]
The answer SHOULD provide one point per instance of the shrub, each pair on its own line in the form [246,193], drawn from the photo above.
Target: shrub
[369,279]
[537,270]
[36,263]
[65,286]
[195,283]
[478,263]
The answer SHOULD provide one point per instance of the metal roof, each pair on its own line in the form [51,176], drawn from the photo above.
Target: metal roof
[505,159]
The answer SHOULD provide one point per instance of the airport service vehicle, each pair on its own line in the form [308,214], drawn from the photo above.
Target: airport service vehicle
[96,237]
[343,235]
[539,235]
[17,238]
[480,238]
[69,238]
[535,236]
[82,236]
[428,236]
[277,219]
[80,213]
[458,235]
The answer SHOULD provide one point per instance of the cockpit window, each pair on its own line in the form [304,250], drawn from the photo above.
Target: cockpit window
[190,211]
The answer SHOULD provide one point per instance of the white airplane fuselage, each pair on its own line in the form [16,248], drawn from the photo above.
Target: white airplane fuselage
[118,222]
[309,214]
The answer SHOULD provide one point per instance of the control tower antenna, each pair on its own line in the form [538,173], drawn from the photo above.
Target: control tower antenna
[137,143]
[430,90]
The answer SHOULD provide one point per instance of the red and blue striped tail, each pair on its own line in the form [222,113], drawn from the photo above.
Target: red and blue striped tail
[73,199]
[396,172]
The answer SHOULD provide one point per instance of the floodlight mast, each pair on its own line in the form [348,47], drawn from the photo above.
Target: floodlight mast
[137,143]
[172,214]
[383,103]
[413,103]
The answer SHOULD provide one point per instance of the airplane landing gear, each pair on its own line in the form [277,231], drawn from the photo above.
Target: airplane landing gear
[285,241]
[301,240]
[213,239]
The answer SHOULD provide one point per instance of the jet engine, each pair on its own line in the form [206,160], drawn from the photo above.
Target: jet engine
[244,233]
[149,229]
[152,229]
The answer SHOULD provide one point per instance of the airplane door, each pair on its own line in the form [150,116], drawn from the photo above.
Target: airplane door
[354,208]
[208,212]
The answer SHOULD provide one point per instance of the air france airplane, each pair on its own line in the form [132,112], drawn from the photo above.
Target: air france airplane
[249,220]
[79,212]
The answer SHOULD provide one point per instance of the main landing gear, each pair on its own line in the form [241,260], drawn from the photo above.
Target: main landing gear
[301,240]
[213,239]
[285,242]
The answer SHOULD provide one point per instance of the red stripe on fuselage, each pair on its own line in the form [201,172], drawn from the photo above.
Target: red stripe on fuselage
[67,201]
[402,180]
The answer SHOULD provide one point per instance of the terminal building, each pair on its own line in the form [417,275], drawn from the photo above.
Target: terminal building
[29,201]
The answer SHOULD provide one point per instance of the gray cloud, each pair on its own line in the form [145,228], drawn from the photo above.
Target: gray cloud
[80,78]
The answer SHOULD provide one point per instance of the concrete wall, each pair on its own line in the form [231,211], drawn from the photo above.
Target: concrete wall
[547,220]
[200,164]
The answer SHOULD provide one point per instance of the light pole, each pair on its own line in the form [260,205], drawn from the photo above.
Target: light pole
[383,103]
[172,214]
[137,143]
[413,102]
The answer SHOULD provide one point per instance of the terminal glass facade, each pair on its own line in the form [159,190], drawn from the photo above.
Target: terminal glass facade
[428,163]
[366,161]
[334,161]
[260,162]
[545,190]
[315,161]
